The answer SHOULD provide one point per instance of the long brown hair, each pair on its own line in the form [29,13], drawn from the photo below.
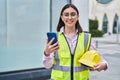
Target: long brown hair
[61,23]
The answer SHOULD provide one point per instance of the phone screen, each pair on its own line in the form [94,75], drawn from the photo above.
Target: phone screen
[51,35]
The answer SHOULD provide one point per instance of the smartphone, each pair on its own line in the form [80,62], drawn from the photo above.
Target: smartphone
[51,35]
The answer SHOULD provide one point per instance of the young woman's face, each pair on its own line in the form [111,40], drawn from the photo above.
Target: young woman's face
[69,17]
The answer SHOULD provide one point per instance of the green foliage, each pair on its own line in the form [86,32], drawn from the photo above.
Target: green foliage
[96,33]
[93,24]
[93,27]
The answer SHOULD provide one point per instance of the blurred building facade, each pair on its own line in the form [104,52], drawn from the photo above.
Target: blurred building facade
[107,12]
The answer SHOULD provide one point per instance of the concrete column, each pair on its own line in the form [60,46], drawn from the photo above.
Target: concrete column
[100,25]
[111,17]
[110,26]
[100,19]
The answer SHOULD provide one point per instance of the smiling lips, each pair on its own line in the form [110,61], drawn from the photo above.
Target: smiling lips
[69,21]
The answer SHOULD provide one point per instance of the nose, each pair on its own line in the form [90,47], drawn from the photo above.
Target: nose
[69,16]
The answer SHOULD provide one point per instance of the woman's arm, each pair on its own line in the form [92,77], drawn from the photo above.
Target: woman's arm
[48,57]
[48,60]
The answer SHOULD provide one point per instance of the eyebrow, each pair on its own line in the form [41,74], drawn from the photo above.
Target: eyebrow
[70,13]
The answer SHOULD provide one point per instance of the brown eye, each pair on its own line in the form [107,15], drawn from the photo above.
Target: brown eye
[73,14]
[66,14]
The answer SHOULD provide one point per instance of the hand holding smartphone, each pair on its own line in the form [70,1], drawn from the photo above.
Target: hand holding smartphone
[51,35]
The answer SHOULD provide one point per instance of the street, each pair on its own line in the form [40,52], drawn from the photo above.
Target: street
[111,52]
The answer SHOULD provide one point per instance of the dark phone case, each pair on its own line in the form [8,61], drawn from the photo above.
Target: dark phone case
[51,35]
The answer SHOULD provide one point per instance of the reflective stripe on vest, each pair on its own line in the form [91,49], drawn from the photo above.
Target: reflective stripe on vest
[67,69]
[86,40]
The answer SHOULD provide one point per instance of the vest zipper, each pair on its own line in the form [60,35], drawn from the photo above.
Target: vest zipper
[72,62]
[72,58]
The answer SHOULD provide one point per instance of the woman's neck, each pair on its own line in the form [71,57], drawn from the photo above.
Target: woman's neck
[69,32]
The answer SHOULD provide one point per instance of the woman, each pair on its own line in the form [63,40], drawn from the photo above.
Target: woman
[72,43]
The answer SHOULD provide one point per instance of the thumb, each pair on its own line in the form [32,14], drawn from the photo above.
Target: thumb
[96,66]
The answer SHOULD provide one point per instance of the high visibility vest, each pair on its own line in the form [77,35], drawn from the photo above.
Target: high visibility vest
[66,65]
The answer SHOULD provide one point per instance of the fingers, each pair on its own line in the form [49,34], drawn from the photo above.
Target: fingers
[55,46]
[97,67]
[50,42]
[100,66]
[50,48]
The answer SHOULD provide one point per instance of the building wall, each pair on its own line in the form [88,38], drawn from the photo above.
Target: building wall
[21,25]
[98,10]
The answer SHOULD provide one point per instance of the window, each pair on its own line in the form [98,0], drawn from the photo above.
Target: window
[103,1]
[115,24]
[105,23]
[23,33]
